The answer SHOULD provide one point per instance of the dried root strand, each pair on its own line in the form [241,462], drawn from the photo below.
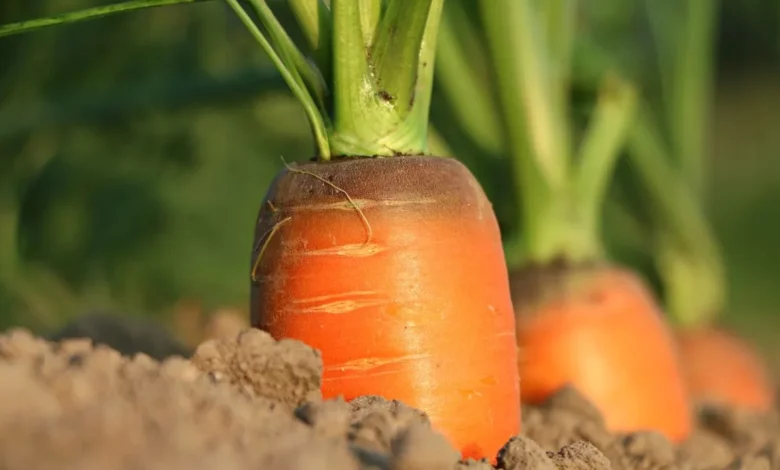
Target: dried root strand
[363,218]
[262,244]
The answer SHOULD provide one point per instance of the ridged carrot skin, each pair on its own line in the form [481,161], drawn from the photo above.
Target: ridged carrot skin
[599,329]
[722,368]
[393,268]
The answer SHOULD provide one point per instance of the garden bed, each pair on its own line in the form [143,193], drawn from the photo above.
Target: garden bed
[252,402]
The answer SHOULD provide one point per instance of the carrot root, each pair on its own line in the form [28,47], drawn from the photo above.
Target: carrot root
[598,329]
[419,312]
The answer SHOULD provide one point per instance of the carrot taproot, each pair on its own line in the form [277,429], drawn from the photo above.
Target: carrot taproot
[393,268]
[723,369]
[598,328]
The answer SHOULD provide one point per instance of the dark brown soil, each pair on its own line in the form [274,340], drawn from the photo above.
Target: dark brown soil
[252,402]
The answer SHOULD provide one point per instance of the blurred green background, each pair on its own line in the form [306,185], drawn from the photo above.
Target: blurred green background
[135,150]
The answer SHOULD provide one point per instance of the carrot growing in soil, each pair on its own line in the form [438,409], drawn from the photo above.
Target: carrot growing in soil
[387,260]
[580,319]
[669,159]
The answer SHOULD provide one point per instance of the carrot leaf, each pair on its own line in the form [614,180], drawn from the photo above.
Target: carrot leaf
[471,101]
[302,70]
[85,14]
[395,53]
[603,142]
[294,81]
[689,257]
[315,21]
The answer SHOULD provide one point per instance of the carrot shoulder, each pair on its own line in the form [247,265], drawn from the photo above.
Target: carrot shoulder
[393,268]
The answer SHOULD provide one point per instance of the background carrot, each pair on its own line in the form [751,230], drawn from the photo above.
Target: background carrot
[581,320]
[387,260]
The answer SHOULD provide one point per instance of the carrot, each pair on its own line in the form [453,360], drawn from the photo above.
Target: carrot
[415,305]
[722,368]
[386,259]
[598,327]
[580,320]
[669,158]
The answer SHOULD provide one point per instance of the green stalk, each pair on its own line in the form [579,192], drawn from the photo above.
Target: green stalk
[86,14]
[396,51]
[370,13]
[382,94]
[689,257]
[472,103]
[560,197]
[684,35]
[691,90]
[293,81]
[600,149]
[315,21]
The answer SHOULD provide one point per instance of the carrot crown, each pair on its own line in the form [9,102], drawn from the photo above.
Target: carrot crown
[366,86]
[561,178]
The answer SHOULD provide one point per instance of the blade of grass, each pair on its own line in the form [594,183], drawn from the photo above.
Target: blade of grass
[297,86]
[395,54]
[602,144]
[472,103]
[86,14]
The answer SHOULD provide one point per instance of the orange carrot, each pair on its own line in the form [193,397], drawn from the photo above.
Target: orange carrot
[599,329]
[393,268]
[722,368]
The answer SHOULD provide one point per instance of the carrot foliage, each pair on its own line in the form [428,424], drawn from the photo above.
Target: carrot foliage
[366,88]
[560,175]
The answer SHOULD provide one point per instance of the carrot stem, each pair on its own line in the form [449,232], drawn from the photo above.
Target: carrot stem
[600,149]
[559,197]
[315,21]
[689,257]
[686,60]
[463,88]
[86,14]
[290,76]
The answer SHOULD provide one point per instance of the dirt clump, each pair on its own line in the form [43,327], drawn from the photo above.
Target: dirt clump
[286,371]
[249,401]
[723,439]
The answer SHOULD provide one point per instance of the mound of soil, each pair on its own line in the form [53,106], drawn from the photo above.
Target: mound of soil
[250,402]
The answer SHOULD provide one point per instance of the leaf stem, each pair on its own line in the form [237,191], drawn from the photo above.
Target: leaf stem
[83,15]
[690,90]
[601,146]
[689,258]
[472,103]
[315,21]
[295,84]
[395,54]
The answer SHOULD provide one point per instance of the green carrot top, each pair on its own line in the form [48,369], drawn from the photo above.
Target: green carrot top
[366,86]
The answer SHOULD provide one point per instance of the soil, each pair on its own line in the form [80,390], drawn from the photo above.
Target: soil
[250,402]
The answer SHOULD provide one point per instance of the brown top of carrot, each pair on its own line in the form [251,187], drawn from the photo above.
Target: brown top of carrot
[445,182]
